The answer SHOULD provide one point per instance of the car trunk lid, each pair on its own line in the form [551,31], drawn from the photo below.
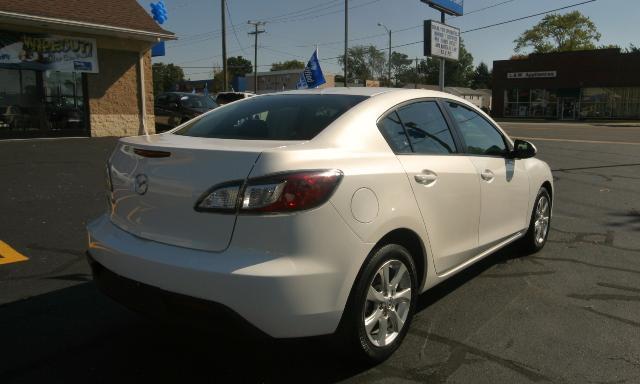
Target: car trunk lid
[157,181]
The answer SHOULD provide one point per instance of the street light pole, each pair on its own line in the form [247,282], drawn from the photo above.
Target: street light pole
[389,31]
[225,80]
[256,24]
[442,17]
[346,40]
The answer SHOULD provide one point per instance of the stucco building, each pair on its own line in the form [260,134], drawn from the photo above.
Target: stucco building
[76,68]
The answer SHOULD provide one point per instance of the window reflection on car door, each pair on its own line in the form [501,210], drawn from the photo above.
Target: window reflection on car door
[444,183]
[504,181]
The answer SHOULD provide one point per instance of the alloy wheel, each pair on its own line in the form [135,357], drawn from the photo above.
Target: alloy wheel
[388,303]
[541,224]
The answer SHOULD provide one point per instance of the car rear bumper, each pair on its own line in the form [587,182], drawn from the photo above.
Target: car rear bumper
[167,306]
[292,295]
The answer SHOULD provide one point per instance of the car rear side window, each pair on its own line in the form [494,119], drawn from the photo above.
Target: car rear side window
[427,129]
[393,131]
[272,117]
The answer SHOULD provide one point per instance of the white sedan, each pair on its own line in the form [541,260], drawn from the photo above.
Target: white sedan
[317,212]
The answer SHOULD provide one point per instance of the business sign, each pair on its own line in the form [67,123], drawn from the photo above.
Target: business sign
[49,52]
[451,7]
[532,75]
[441,40]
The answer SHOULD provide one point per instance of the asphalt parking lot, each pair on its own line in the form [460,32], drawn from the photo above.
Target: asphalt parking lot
[569,314]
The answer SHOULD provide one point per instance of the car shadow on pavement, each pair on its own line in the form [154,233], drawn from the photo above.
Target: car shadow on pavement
[78,335]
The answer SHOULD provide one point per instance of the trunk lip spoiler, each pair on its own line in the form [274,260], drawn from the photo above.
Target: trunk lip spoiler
[151,153]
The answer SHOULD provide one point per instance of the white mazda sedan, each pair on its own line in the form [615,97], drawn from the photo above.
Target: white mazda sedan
[316,212]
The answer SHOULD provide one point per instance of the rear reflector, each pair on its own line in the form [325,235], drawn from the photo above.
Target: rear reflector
[150,153]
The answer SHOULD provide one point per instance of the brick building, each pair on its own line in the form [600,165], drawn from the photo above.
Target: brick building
[596,84]
[76,68]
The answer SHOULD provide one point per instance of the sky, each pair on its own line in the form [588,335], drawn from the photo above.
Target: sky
[293,28]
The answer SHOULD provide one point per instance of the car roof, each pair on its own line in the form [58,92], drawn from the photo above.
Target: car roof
[365,91]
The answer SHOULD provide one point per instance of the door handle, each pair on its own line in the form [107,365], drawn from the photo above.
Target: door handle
[426,177]
[487,175]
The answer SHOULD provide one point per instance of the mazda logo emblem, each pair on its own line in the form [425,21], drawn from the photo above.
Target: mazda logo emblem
[141,184]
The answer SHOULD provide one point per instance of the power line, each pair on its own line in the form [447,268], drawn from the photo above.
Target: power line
[218,31]
[528,17]
[487,7]
[326,14]
[234,30]
[404,29]
[466,31]
[505,22]
[316,8]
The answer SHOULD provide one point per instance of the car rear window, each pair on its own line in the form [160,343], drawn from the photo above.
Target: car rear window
[197,101]
[225,98]
[272,117]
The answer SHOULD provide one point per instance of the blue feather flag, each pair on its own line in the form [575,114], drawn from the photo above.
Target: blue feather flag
[312,76]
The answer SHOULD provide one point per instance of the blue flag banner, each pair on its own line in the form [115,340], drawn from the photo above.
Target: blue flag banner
[158,49]
[312,76]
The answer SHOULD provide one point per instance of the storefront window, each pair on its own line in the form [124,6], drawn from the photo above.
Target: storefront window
[19,107]
[64,101]
[616,103]
[35,103]
[531,103]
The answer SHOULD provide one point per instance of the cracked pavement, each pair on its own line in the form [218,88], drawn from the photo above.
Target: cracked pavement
[569,314]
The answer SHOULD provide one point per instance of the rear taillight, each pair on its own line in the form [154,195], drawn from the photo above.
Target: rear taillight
[280,193]
[223,198]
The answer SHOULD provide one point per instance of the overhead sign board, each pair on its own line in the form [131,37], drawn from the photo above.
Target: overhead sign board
[451,7]
[441,40]
[42,51]
[532,75]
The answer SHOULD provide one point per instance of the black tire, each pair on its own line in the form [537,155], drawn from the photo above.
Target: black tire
[532,242]
[352,331]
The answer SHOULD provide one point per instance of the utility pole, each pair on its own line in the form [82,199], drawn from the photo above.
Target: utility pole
[442,60]
[417,74]
[346,40]
[257,25]
[388,30]
[225,80]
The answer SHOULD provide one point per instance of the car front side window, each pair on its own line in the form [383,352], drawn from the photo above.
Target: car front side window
[479,135]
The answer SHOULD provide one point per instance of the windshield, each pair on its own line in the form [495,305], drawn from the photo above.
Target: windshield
[273,117]
[197,101]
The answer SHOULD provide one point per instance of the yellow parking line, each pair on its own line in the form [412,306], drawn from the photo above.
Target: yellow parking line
[580,141]
[9,255]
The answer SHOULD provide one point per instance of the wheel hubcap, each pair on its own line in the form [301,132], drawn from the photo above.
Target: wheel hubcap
[541,224]
[388,303]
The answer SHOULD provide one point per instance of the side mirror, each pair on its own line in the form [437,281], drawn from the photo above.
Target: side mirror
[173,105]
[523,149]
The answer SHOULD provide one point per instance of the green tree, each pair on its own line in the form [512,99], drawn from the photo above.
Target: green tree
[165,77]
[632,49]
[400,63]
[559,33]
[365,63]
[377,62]
[481,77]
[457,73]
[289,64]
[238,66]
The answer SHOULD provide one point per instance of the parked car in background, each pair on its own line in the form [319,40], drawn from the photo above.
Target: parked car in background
[13,117]
[174,108]
[228,97]
[317,212]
